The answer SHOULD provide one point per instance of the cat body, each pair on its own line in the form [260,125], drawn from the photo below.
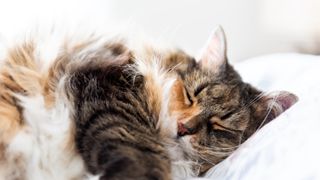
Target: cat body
[37,126]
[102,108]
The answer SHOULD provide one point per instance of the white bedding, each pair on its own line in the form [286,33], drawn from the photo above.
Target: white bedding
[288,148]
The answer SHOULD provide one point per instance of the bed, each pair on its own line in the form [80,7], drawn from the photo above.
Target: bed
[289,146]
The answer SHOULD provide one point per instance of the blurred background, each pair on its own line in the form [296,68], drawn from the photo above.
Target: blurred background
[253,27]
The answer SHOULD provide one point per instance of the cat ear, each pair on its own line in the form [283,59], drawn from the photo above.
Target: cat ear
[267,108]
[213,56]
[279,102]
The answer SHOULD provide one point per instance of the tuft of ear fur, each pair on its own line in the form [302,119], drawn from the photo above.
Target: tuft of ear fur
[213,56]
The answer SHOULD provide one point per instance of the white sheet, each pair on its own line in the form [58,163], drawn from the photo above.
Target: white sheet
[288,147]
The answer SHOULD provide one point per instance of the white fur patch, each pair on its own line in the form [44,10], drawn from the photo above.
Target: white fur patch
[42,144]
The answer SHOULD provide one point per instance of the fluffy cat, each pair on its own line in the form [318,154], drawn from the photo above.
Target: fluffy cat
[104,108]
[120,111]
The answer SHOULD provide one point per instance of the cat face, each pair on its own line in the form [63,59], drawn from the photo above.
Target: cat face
[216,111]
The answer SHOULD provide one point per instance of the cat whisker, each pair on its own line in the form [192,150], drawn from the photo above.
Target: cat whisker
[265,118]
[260,96]
[270,107]
[240,140]
[173,68]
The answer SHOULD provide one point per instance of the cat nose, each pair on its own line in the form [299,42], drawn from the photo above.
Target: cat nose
[184,130]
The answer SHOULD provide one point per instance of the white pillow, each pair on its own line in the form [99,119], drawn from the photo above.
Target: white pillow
[289,146]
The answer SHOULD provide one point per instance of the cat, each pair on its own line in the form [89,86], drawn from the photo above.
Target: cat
[122,103]
[118,113]
[218,111]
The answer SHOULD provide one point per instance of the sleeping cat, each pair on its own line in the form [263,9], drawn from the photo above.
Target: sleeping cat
[131,115]
[102,107]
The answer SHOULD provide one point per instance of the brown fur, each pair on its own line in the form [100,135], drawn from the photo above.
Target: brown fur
[115,112]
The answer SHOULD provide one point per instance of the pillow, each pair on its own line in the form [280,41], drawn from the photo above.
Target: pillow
[289,146]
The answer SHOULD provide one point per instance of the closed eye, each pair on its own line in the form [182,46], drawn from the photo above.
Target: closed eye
[221,131]
[218,124]
[227,116]
[224,134]
[200,88]
[189,98]
[219,127]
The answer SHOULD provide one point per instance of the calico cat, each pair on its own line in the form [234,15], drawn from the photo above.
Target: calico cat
[132,112]
[216,111]
[103,108]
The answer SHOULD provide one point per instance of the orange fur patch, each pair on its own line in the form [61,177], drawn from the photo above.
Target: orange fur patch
[18,75]
[178,107]
[51,79]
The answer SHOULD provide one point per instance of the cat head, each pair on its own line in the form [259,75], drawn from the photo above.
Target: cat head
[216,111]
